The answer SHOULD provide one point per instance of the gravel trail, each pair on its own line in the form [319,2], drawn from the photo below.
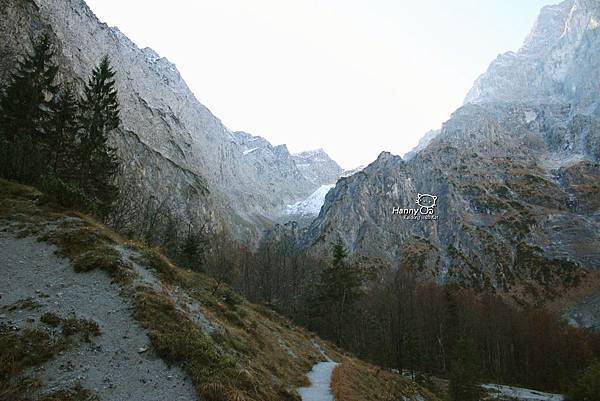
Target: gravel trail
[119,364]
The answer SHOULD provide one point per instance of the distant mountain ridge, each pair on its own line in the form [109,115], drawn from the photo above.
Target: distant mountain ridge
[317,166]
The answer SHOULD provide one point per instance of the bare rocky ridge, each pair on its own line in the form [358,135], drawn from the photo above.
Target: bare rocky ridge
[515,171]
[175,151]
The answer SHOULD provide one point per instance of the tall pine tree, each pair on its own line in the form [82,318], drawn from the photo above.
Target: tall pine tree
[25,111]
[62,135]
[62,147]
[338,290]
[98,164]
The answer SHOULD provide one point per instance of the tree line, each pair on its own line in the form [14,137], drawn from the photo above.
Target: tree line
[56,140]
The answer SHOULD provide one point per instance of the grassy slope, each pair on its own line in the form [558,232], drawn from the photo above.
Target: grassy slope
[251,354]
[356,381]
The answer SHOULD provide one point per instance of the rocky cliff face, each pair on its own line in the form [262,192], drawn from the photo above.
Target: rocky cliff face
[513,175]
[175,151]
[558,62]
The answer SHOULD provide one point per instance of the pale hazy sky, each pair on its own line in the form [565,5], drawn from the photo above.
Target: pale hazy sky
[354,77]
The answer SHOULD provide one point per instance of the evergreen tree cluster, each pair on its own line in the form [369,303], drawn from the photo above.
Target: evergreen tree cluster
[54,139]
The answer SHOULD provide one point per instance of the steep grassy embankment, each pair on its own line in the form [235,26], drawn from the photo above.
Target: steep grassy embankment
[228,348]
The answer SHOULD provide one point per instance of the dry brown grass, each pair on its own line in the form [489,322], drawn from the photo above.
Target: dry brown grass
[242,355]
[22,350]
[23,304]
[357,381]
[75,393]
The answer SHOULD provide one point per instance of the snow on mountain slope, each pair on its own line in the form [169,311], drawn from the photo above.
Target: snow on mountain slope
[320,379]
[310,206]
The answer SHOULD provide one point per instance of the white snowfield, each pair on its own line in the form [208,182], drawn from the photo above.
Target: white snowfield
[320,379]
[310,206]
[519,394]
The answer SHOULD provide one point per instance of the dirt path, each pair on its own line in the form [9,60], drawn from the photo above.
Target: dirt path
[320,379]
[114,364]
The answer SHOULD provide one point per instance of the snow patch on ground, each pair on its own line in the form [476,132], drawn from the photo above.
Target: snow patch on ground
[320,379]
[310,206]
[519,394]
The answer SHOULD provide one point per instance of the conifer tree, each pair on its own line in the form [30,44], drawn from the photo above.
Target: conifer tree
[339,288]
[99,119]
[25,110]
[62,135]
[464,372]
[61,147]
[192,250]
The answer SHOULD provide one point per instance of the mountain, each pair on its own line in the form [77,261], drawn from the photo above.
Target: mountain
[304,211]
[87,315]
[176,154]
[317,167]
[557,63]
[509,186]
[322,171]
[320,168]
